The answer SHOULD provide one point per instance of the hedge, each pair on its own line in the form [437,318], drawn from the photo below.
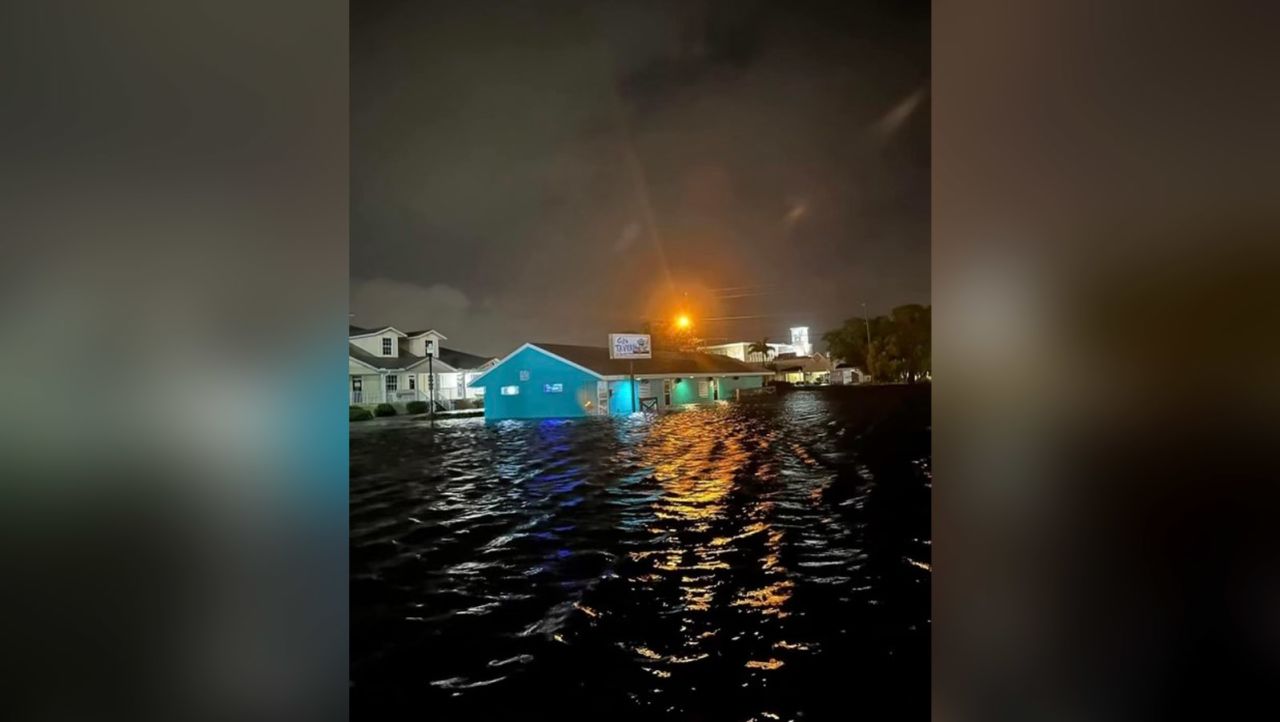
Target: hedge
[359,413]
[416,407]
[384,410]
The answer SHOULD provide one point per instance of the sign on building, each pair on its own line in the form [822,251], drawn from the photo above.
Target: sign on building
[629,345]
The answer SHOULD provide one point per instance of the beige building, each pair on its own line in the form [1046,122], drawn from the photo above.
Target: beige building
[815,369]
[738,350]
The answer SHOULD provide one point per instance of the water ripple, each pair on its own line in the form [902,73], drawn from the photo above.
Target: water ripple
[717,563]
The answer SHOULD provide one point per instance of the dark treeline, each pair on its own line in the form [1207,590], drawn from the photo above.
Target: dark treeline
[899,348]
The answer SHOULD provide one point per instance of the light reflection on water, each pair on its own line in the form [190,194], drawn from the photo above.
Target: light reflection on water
[711,564]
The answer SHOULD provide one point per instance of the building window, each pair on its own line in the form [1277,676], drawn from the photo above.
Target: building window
[413,382]
[702,388]
[553,388]
[386,346]
[510,390]
[391,382]
[524,375]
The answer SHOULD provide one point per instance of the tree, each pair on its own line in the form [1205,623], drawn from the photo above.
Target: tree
[900,347]
[912,327]
[849,343]
[761,347]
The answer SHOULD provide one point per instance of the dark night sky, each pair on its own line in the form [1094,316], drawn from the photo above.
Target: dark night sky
[555,171]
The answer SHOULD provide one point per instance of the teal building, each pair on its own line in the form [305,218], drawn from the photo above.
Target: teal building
[549,381]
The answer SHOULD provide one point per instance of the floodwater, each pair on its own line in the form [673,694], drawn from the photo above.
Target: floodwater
[765,560]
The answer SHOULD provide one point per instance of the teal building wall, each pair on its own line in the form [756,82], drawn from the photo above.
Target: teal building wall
[533,402]
[578,397]
[729,384]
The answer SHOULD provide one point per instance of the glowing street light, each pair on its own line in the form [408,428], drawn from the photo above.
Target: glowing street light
[682,321]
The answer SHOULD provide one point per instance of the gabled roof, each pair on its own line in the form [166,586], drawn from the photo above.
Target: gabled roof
[463,360]
[666,363]
[403,362]
[424,332]
[808,364]
[595,360]
[438,365]
[354,331]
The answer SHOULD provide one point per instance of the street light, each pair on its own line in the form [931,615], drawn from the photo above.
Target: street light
[682,321]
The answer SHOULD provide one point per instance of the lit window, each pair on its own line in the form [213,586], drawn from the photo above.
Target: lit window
[386,346]
[413,384]
[553,388]
[510,390]
[391,382]
[524,375]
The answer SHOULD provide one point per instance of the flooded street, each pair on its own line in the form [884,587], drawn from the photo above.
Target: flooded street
[765,560]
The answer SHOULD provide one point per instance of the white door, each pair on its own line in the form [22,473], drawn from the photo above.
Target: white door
[602,398]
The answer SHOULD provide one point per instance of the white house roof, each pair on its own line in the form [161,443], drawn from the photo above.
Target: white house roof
[427,332]
[357,331]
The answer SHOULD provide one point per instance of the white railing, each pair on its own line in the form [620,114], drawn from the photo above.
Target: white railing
[366,396]
[445,399]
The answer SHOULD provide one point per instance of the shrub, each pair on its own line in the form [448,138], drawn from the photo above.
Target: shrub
[384,410]
[416,407]
[360,413]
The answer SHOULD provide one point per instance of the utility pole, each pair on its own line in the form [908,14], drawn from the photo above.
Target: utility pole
[431,383]
[633,386]
[867,321]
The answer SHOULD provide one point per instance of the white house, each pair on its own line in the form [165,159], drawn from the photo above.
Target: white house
[846,375]
[388,365]
[738,350]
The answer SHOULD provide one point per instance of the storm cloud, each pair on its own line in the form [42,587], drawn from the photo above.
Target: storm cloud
[568,169]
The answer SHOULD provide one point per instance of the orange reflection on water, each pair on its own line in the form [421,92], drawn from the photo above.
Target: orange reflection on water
[769,599]
[752,529]
[699,458]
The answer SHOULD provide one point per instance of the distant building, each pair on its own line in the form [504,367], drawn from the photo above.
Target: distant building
[387,365]
[800,341]
[846,375]
[538,381]
[815,369]
[738,350]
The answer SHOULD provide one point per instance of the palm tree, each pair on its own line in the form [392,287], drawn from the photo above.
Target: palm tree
[761,347]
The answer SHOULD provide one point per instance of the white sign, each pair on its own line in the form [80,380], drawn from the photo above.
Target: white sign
[630,345]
